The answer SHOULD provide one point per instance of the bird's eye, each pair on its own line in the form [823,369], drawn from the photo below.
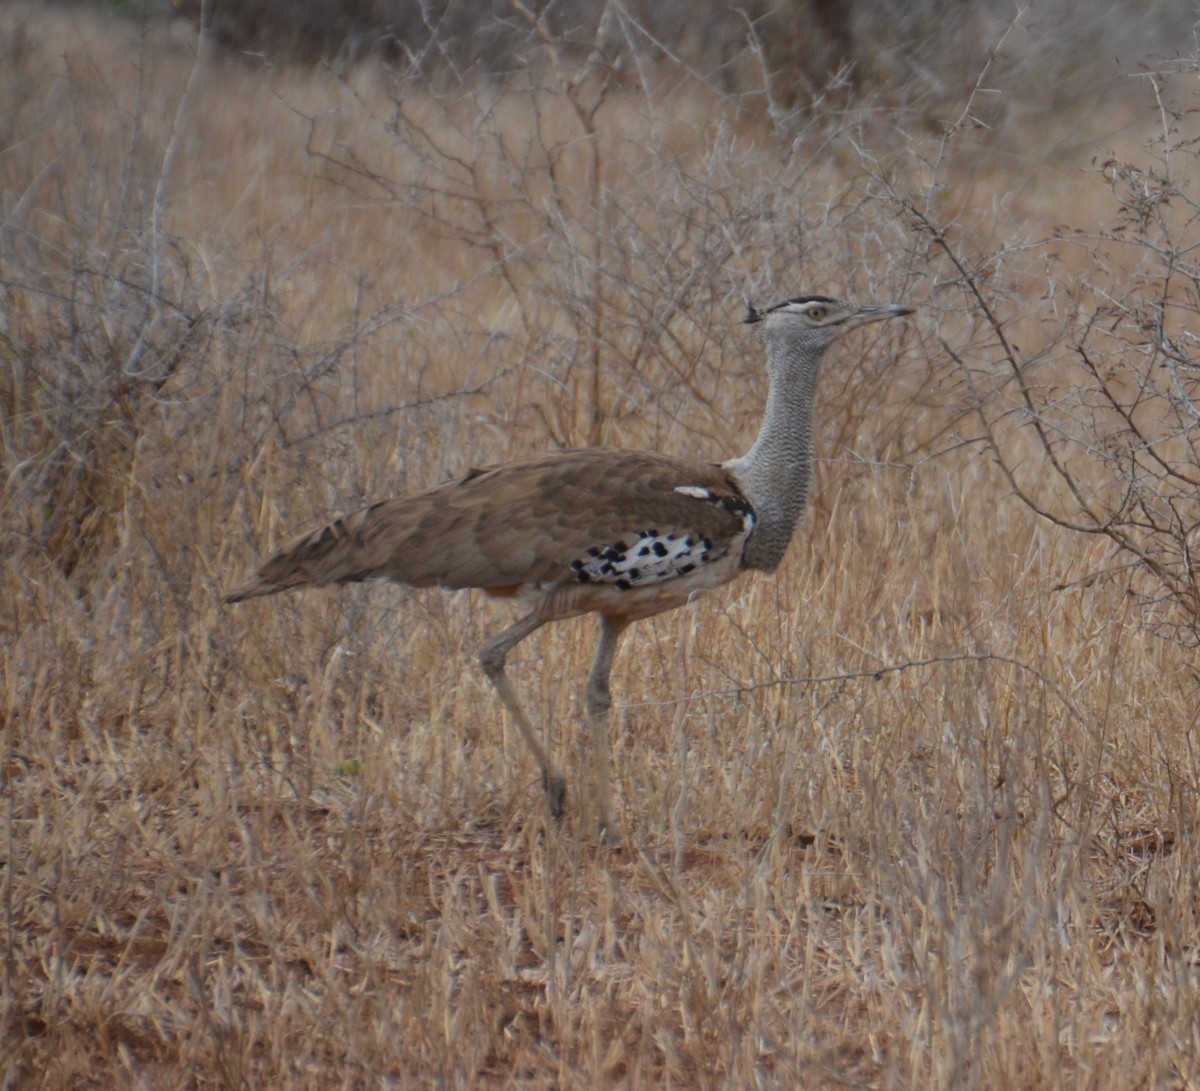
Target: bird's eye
[817,313]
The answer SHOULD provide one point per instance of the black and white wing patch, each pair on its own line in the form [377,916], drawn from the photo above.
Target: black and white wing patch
[655,556]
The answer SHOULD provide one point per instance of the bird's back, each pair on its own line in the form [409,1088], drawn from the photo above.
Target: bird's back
[593,519]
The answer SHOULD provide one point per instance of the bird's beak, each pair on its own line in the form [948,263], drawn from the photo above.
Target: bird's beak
[883,310]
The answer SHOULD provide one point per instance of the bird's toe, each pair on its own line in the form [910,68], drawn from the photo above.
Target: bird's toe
[556,793]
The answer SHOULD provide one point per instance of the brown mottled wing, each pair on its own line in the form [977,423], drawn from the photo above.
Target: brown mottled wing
[539,521]
[530,522]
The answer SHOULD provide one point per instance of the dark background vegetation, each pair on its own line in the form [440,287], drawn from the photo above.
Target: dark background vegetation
[921,50]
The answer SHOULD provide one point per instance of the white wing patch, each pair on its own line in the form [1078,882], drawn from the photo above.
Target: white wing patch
[736,505]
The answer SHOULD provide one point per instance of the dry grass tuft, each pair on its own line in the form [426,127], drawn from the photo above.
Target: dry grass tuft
[921,811]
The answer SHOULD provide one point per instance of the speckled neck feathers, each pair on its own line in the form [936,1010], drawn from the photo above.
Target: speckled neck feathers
[775,473]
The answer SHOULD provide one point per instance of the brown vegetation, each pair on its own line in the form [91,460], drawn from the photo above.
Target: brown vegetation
[917,812]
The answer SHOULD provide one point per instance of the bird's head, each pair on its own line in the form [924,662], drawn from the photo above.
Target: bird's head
[819,319]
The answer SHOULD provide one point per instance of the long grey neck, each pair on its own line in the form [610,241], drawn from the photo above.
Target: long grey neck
[775,473]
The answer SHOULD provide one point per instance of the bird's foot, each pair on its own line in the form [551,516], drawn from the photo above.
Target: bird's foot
[556,793]
[609,837]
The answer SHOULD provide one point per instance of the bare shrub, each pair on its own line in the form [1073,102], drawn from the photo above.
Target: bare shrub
[1075,350]
[616,259]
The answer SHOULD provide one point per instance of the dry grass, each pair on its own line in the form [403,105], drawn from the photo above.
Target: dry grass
[907,815]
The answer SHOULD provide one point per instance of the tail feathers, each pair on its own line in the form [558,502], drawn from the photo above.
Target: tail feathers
[336,553]
[259,586]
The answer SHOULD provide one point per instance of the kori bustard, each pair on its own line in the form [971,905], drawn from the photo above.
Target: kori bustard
[619,533]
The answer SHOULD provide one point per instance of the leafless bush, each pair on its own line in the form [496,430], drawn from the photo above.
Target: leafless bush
[620,260]
[1076,352]
[120,347]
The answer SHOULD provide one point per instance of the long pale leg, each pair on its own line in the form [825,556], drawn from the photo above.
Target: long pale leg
[599,701]
[492,657]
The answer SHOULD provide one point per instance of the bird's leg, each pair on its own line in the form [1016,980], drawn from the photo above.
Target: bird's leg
[491,657]
[599,701]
